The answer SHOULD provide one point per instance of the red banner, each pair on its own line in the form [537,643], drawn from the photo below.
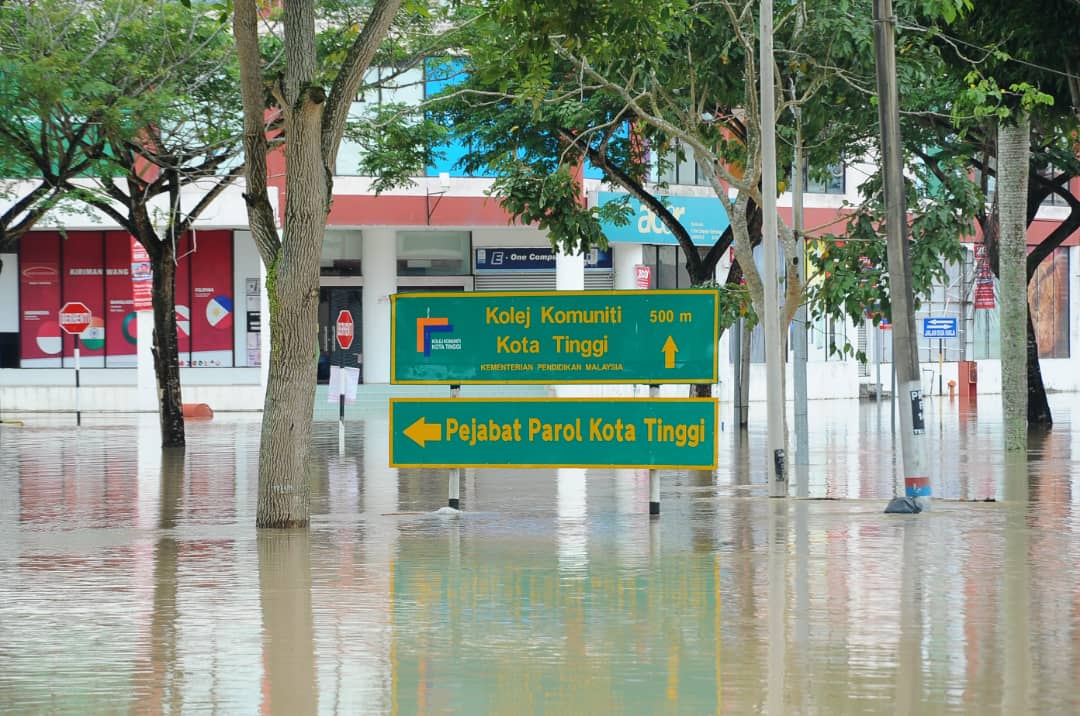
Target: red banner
[212,299]
[84,280]
[142,278]
[121,329]
[984,279]
[99,269]
[39,297]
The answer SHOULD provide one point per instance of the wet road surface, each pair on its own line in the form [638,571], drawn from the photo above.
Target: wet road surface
[132,581]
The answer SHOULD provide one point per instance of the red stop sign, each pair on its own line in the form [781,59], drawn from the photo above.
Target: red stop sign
[344,328]
[75,317]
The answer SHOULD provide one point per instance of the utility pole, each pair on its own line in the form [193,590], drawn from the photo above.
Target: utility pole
[774,358]
[799,340]
[905,350]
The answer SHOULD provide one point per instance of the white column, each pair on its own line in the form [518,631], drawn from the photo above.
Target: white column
[145,378]
[569,272]
[624,257]
[380,280]
[264,331]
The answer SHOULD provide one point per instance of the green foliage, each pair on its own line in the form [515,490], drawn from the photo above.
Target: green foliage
[735,303]
[551,201]
[397,144]
[984,99]
[852,279]
[90,85]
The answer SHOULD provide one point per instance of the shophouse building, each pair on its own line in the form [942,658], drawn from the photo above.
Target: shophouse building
[442,233]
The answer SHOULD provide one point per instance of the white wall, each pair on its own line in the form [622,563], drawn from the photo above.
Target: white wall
[9,294]
[246,265]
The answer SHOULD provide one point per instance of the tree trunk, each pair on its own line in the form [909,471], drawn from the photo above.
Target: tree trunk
[1038,408]
[292,267]
[166,349]
[1013,148]
[293,285]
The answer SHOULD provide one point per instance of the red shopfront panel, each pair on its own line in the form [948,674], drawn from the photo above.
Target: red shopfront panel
[83,259]
[121,326]
[211,275]
[39,300]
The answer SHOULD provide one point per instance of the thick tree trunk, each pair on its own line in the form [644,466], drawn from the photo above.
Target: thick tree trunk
[166,348]
[1013,148]
[293,285]
[292,266]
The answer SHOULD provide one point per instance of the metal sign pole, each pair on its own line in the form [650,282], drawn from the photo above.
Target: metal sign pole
[453,487]
[78,413]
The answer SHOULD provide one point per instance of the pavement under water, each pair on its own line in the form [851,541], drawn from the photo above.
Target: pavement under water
[133,580]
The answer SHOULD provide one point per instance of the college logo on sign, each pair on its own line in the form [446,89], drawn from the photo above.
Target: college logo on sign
[427,338]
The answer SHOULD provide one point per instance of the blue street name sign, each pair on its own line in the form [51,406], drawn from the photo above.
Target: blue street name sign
[939,327]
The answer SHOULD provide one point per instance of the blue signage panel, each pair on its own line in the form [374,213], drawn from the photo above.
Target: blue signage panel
[940,327]
[704,218]
[493,259]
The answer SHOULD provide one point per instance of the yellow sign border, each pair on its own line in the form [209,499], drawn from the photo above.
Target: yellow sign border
[512,466]
[584,381]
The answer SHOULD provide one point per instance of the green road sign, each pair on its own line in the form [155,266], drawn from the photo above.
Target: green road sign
[553,432]
[555,337]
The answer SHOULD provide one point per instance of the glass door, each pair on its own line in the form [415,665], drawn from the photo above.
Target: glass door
[333,300]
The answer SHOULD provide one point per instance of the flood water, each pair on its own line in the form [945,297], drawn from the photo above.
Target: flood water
[135,582]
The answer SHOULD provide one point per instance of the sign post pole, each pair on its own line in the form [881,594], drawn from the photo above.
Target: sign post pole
[78,413]
[453,487]
[343,330]
[74,318]
[940,364]
[654,479]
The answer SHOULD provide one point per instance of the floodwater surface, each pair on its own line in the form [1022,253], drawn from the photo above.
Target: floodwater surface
[134,581]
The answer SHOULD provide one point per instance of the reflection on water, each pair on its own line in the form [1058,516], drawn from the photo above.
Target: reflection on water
[133,580]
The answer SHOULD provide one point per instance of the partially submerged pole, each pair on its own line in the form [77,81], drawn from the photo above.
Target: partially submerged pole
[905,350]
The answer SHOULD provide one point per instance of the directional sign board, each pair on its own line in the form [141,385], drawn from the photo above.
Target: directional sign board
[551,432]
[939,327]
[555,337]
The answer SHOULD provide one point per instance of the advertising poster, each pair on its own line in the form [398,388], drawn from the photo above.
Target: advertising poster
[104,270]
[212,300]
[84,280]
[39,294]
[121,328]
[142,278]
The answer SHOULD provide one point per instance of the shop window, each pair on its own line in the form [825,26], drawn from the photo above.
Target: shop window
[341,253]
[434,253]
[669,266]
[94,268]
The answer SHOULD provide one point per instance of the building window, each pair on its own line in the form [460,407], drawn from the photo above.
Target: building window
[832,182]
[341,253]
[680,168]
[668,265]
[1049,173]
[434,253]
[382,86]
